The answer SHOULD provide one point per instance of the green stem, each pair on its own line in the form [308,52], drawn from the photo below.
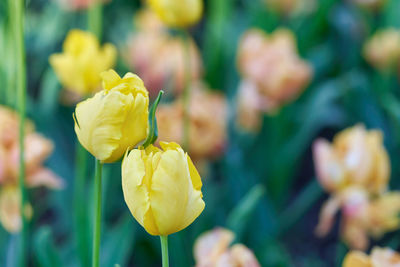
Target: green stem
[186,91]
[17,20]
[164,250]
[95,20]
[81,219]
[97,217]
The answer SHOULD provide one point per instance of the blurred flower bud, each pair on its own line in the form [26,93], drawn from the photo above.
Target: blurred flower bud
[159,58]
[79,66]
[10,209]
[114,119]
[207,126]
[162,188]
[272,64]
[382,50]
[369,4]
[380,257]
[384,214]
[179,14]
[356,157]
[289,7]
[212,249]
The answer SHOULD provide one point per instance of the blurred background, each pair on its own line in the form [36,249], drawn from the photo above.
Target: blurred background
[267,78]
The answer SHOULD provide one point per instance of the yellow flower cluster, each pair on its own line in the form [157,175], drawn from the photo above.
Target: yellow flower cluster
[272,72]
[207,122]
[183,13]
[212,249]
[355,170]
[79,66]
[380,257]
[37,149]
[159,58]
[382,50]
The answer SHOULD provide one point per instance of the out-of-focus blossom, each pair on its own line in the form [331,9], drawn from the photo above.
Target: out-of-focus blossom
[79,4]
[369,4]
[207,126]
[212,250]
[162,188]
[115,118]
[79,66]
[355,169]
[159,58]
[380,257]
[183,13]
[382,50]
[37,150]
[356,157]
[289,7]
[271,64]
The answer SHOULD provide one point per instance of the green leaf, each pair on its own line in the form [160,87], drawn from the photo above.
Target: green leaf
[240,215]
[153,133]
[45,252]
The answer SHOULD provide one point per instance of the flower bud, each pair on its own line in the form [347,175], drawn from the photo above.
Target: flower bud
[114,119]
[79,66]
[183,13]
[162,188]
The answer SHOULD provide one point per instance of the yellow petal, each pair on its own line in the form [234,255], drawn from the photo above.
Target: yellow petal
[356,259]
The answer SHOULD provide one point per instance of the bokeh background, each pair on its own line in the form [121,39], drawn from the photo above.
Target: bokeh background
[258,181]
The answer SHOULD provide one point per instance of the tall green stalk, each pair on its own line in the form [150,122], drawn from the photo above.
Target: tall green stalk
[164,251]
[17,23]
[97,216]
[81,217]
[186,91]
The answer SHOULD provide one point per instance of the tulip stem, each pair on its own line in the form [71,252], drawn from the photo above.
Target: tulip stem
[95,19]
[97,216]
[164,250]
[186,91]
[17,20]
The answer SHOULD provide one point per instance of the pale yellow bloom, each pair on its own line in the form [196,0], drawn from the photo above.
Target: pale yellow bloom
[211,249]
[114,119]
[380,257]
[355,169]
[382,50]
[162,188]
[79,66]
[183,13]
[271,64]
[208,114]
[356,157]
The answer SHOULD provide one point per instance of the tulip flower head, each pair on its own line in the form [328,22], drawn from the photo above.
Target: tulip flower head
[212,249]
[115,118]
[180,14]
[355,170]
[382,50]
[272,70]
[82,61]
[162,188]
[380,257]
[159,57]
[207,125]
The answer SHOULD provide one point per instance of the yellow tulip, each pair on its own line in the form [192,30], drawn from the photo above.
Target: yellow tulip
[162,188]
[82,61]
[380,257]
[181,13]
[114,119]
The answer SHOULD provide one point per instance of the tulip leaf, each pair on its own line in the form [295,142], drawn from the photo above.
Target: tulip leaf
[153,132]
